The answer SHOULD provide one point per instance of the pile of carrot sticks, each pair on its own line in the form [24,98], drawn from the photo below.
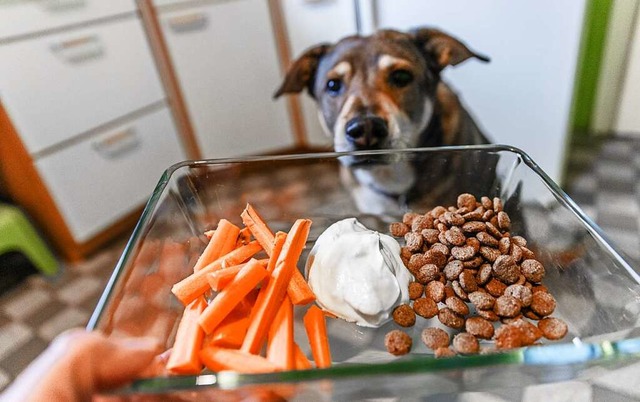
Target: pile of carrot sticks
[239,310]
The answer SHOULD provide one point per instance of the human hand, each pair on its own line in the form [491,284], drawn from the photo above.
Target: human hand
[79,364]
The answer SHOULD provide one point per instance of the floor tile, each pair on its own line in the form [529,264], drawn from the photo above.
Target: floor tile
[625,381]
[26,303]
[80,290]
[13,336]
[66,319]
[15,362]
[566,391]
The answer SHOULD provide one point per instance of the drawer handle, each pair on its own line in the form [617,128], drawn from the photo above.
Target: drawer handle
[189,22]
[79,49]
[117,144]
[62,5]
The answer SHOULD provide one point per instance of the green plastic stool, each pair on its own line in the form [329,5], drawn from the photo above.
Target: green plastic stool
[17,234]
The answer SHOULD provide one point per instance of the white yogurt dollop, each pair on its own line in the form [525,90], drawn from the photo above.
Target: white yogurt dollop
[357,274]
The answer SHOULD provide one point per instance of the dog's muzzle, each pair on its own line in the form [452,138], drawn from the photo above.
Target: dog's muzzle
[367,132]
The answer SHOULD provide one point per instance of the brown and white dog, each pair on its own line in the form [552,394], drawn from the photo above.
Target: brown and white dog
[384,91]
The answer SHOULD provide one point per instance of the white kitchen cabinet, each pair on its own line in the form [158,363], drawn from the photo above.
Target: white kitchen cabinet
[523,97]
[101,179]
[227,66]
[57,86]
[310,23]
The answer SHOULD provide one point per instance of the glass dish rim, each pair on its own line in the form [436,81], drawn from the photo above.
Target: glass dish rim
[552,354]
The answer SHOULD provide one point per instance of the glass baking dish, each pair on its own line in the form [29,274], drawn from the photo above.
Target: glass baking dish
[597,291]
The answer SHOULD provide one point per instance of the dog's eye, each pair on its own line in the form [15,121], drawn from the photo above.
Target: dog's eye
[334,86]
[400,78]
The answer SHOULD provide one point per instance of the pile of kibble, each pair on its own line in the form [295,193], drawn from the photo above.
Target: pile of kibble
[475,277]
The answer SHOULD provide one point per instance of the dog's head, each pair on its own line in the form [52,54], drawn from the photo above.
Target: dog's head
[377,91]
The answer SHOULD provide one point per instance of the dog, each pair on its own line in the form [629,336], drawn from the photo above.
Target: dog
[384,91]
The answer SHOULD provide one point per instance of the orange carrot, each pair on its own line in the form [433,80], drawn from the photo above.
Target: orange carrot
[222,241]
[244,237]
[275,290]
[248,277]
[221,278]
[219,359]
[184,357]
[299,290]
[231,331]
[196,284]
[278,243]
[258,227]
[316,328]
[280,343]
[302,363]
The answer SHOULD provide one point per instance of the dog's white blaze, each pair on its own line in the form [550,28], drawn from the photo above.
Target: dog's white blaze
[385,61]
[340,125]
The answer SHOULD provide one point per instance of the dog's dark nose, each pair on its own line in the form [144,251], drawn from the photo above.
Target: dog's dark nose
[367,131]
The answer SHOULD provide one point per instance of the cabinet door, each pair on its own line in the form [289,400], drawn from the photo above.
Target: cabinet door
[310,23]
[227,66]
[523,96]
[55,87]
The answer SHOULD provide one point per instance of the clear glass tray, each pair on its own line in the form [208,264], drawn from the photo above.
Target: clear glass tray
[597,292]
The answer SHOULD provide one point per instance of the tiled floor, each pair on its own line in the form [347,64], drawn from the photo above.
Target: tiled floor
[602,180]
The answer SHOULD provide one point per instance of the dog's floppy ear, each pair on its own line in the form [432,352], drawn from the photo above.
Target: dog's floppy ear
[444,49]
[302,72]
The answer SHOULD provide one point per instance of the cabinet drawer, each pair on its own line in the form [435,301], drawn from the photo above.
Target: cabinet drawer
[104,177]
[24,17]
[57,86]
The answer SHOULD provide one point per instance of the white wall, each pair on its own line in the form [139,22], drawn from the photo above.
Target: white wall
[628,121]
[523,97]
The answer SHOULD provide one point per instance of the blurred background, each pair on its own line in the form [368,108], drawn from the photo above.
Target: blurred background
[98,97]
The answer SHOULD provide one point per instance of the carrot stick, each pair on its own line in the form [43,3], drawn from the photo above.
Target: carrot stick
[316,329]
[184,357]
[244,237]
[219,244]
[302,363]
[258,227]
[267,306]
[196,284]
[231,331]
[299,290]
[248,277]
[221,278]
[220,359]
[280,343]
[278,243]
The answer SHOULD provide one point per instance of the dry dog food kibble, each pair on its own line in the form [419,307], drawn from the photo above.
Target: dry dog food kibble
[397,342]
[465,253]
[435,338]
[444,352]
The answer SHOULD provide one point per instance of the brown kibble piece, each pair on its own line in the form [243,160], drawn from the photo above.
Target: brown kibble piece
[408,218]
[444,352]
[484,274]
[495,287]
[466,200]
[453,219]
[543,303]
[504,222]
[398,229]
[437,211]
[421,222]
[457,289]
[465,343]
[457,305]
[435,338]
[453,269]
[539,288]
[489,253]
[441,249]
[486,239]
[435,291]
[473,243]
[416,261]
[425,307]
[520,292]
[455,236]
[449,318]
[482,300]
[492,230]
[508,337]
[507,306]
[529,332]
[504,245]
[463,253]
[488,315]
[519,240]
[474,262]
[468,281]
[427,273]
[416,289]
[430,235]
[530,314]
[413,241]
[397,342]
[505,269]
[473,227]
[479,327]
[497,204]
[474,215]
[404,315]
[533,270]
[553,328]
[486,202]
